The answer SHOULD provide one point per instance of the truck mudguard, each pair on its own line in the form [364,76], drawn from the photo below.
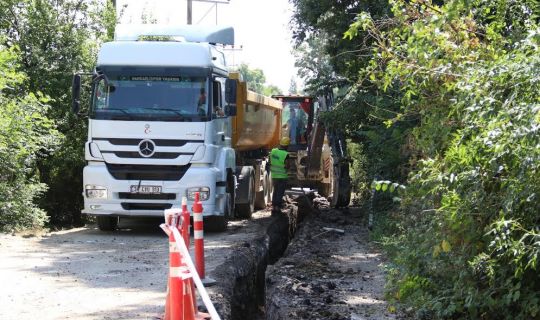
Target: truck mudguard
[243,174]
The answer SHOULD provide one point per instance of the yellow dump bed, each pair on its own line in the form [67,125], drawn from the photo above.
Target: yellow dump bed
[257,124]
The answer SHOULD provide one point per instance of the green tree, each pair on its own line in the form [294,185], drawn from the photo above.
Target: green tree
[442,96]
[256,80]
[329,63]
[466,243]
[271,90]
[56,39]
[27,134]
[293,87]
[315,67]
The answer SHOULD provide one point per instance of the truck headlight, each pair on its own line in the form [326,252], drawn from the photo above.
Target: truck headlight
[204,193]
[95,192]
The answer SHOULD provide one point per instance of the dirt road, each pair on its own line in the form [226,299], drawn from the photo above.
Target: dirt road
[330,271]
[84,273]
[88,274]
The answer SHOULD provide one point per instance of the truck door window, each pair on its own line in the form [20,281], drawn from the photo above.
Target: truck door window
[102,96]
[217,108]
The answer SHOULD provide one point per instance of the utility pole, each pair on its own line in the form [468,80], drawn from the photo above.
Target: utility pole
[189,11]
[190,8]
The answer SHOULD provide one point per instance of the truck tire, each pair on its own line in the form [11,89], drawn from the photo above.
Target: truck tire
[262,197]
[107,223]
[245,210]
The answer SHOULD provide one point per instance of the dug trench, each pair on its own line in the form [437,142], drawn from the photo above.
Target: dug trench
[312,262]
[241,278]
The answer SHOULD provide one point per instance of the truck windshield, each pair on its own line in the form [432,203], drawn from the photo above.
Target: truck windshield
[157,98]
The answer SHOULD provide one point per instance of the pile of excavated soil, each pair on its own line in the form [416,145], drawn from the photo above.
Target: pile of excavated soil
[329,271]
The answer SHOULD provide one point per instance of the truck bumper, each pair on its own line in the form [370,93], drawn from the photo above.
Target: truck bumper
[120,202]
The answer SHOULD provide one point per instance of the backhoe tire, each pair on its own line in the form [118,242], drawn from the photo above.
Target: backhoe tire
[341,187]
[107,223]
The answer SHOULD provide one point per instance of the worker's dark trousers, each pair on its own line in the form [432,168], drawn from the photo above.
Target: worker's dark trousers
[279,191]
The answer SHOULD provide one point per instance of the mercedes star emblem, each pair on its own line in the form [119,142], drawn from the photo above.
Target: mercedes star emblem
[147,148]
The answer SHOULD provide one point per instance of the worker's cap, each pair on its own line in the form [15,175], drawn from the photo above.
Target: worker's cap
[285,141]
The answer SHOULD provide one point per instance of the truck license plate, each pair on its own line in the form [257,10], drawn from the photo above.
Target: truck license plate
[145,189]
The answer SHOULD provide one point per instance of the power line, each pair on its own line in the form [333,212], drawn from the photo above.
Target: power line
[190,8]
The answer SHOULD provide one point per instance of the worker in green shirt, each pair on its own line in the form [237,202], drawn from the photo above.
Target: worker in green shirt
[278,171]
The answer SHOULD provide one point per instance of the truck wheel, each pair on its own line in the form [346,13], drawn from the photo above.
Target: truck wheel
[215,223]
[107,223]
[261,198]
[245,210]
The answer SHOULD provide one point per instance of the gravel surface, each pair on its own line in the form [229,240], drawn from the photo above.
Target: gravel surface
[84,273]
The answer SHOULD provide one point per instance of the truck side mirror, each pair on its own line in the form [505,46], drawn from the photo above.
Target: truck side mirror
[76,93]
[230,110]
[230,97]
[230,91]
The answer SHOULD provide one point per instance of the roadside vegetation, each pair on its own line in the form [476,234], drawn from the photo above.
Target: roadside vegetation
[42,43]
[443,99]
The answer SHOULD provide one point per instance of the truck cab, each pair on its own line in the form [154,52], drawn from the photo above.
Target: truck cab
[160,125]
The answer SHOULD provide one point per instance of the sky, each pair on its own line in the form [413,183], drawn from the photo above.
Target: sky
[262,34]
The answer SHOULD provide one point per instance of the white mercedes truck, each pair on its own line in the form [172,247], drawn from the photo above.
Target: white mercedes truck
[163,124]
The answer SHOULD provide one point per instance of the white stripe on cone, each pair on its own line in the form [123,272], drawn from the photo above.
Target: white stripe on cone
[179,272]
[198,234]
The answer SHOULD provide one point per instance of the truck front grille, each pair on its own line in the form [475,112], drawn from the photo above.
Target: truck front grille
[146,172]
[158,142]
[135,154]
[145,206]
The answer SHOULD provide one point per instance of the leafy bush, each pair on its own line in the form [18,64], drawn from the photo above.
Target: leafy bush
[443,96]
[357,171]
[26,135]
[467,246]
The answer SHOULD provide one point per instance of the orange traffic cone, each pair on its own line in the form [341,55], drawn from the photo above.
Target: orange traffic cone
[167,315]
[188,311]
[175,282]
[181,302]
[185,226]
